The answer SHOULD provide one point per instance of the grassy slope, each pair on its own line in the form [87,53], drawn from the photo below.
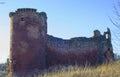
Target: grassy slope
[105,70]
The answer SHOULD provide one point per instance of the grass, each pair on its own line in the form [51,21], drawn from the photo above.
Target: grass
[105,70]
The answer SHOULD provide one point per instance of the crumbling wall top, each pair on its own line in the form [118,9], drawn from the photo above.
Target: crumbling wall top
[21,10]
[43,14]
[26,10]
[97,33]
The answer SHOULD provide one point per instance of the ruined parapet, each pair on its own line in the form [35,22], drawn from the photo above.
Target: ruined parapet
[27,40]
[109,48]
[96,33]
[107,35]
[32,49]
[79,50]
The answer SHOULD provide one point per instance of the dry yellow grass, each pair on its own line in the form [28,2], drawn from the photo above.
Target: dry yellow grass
[105,70]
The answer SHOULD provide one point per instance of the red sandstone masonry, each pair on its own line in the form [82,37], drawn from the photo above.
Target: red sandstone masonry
[55,58]
[32,49]
[28,41]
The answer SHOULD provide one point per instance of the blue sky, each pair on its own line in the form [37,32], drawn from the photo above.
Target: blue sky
[66,18]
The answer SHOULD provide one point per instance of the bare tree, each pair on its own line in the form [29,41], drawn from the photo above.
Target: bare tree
[116,22]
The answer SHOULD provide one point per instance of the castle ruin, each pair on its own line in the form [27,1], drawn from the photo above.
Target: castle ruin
[31,48]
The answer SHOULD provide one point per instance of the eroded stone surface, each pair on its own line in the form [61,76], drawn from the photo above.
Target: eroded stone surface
[78,50]
[32,49]
[23,46]
[28,41]
[33,32]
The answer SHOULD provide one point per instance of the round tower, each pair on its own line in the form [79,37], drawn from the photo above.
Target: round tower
[27,40]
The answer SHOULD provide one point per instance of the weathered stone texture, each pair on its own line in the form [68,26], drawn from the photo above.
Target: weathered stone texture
[80,44]
[32,49]
[79,50]
[55,58]
[28,41]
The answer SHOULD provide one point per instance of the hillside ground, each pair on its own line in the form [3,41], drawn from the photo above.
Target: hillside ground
[105,70]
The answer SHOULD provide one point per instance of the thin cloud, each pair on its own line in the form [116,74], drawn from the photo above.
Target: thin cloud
[2,2]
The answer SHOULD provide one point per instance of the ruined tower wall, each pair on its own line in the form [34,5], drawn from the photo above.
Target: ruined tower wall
[78,51]
[28,40]
[32,49]
[80,44]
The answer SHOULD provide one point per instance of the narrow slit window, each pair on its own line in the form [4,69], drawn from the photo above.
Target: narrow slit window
[22,19]
[107,36]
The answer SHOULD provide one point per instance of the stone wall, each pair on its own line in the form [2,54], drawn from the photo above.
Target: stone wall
[80,44]
[80,50]
[28,40]
[32,49]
